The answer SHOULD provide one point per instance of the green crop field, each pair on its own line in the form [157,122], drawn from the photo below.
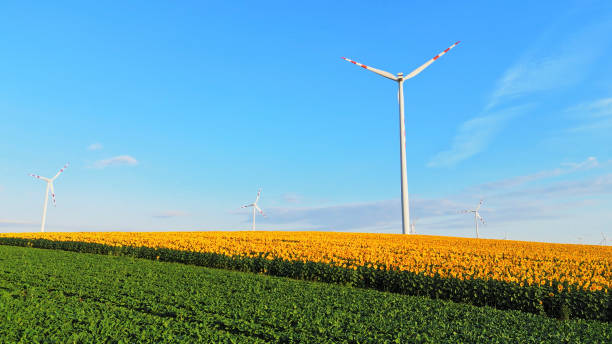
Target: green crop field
[65,297]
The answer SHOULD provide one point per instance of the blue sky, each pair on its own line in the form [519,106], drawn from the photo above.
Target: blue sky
[172,115]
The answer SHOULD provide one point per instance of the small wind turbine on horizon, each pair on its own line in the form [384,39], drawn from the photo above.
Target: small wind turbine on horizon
[604,239]
[476,216]
[255,208]
[413,226]
[49,189]
[400,78]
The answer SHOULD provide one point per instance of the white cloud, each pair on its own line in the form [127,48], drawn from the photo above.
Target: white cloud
[540,74]
[379,216]
[382,214]
[291,198]
[596,115]
[474,135]
[509,204]
[589,163]
[170,214]
[16,223]
[594,109]
[95,146]
[542,69]
[116,161]
[594,186]
[546,67]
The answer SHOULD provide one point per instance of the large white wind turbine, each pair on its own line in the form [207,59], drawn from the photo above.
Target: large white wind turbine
[400,78]
[255,208]
[476,216]
[49,189]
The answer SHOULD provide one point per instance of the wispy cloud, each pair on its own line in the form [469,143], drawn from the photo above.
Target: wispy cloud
[474,135]
[95,146]
[544,68]
[594,115]
[566,168]
[121,160]
[553,66]
[594,186]
[16,223]
[508,203]
[536,74]
[170,214]
[379,215]
[291,198]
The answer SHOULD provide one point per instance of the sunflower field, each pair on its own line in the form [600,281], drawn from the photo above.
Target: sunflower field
[560,280]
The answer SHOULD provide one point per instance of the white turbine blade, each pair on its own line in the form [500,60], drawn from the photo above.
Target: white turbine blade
[260,211]
[377,71]
[39,177]
[481,219]
[420,69]
[60,171]
[52,193]
[479,205]
[258,194]
[248,205]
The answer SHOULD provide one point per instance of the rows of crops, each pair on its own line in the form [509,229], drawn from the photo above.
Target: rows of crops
[56,296]
[528,263]
[556,300]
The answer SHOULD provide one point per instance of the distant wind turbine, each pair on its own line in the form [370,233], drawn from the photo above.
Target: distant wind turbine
[476,216]
[255,208]
[413,226]
[604,239]
[49,189]
[400,78]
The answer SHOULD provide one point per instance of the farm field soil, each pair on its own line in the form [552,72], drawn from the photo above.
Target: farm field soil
[58,296]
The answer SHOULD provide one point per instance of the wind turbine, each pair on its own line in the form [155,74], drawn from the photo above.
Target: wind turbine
[476,216]
[255,208]
[413,225]
[604,240]
[400,78]
[49,189]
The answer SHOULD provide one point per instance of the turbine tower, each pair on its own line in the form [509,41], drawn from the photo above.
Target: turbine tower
[49,189]
[255,208]
[476,217]
[400,78]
